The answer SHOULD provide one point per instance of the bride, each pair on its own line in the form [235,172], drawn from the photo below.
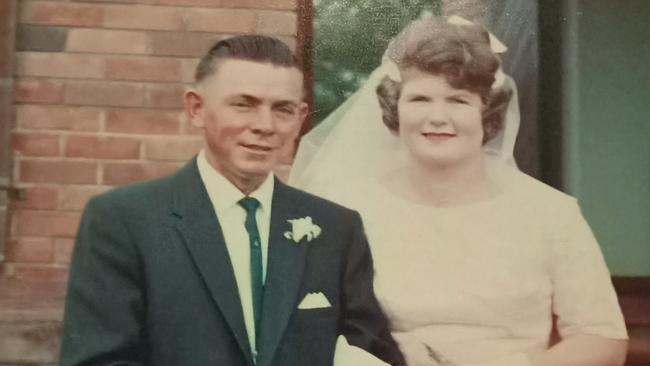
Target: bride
[474,260]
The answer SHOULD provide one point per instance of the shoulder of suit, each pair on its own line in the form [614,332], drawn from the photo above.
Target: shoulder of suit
[137,195]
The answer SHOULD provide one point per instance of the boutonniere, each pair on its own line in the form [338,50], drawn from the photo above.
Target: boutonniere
[302,228]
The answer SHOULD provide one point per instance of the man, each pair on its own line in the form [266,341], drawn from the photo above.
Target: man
[220,263]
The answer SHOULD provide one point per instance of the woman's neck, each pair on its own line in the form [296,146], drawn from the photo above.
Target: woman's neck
[449,185]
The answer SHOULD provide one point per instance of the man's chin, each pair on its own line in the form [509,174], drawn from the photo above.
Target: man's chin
[258,170]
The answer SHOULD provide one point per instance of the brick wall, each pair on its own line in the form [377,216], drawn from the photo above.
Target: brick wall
[98,87]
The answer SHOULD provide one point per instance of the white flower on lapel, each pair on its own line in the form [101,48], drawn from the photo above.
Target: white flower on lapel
[302,228]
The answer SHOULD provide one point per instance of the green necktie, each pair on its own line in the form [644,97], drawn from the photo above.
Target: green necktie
[250,204]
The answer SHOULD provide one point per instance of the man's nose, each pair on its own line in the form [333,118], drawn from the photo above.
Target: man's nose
[264,122]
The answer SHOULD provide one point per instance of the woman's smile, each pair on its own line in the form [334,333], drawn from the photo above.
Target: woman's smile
[438,136]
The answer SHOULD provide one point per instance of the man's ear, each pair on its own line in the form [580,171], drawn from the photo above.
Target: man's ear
[193,106]
[303,111]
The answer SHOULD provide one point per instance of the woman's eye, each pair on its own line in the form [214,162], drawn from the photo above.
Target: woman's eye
[419,99]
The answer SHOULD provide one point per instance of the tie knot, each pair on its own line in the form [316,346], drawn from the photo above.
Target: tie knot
[249,204]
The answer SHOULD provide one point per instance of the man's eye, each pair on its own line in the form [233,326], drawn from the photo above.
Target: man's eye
[419,98]
[286,110]
[241,104]
[459,100]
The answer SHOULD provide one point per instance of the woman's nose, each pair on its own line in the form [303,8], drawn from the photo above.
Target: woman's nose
[437,115]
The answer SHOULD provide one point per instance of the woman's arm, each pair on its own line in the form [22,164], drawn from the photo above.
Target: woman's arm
[577,350]
[589,319]
[584,350]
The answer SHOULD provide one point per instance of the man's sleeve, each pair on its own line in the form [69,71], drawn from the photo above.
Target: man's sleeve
[103,311]
[364,324]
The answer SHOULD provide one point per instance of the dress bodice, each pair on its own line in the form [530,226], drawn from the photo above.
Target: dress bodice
[482,281]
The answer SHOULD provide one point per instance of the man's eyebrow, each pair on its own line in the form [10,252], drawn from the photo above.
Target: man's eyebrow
[284,103]
[247,97]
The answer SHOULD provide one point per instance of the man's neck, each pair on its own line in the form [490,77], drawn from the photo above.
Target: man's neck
[246,185]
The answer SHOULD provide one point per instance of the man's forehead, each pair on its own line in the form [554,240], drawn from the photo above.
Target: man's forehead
[250,77]
[236,70]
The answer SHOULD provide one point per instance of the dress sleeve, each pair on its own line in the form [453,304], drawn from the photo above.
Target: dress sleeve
[583,295]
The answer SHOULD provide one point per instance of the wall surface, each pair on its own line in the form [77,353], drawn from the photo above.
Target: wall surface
[609,128]
[98,97]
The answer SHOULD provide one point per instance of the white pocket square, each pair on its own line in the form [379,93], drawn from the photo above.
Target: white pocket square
[314,300]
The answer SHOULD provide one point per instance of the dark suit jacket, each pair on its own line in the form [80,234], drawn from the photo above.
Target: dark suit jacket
[151,283]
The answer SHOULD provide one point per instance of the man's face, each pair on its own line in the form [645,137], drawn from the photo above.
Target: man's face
[248,111]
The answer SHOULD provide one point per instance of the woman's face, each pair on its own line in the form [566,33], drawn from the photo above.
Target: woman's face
[438,123]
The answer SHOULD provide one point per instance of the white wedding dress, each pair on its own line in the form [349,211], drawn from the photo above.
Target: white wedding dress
[479,283]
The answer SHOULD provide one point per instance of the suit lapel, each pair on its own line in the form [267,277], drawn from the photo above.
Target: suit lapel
[204,239]
[286,262]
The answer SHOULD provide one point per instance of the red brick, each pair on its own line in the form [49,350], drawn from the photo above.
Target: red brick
[261,4]
[220,20]
[143,17]
[164,95]
[104,94]
[59,65]
[74,197]
[63,248]
[38,198]
[106,41]
[74,172]
[172,149]
[124,173]
[30,250]
[38,273]
[112,1]
[58,118]
[199,3]
[60,13]
[102,147]
[182,44]
[143,68]
[256,4]
[38,91]
[35,144]
[46,223]
[188,69]
[142,121]
[276,22]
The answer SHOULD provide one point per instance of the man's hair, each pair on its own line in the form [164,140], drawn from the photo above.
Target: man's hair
[459,53]
[251,47]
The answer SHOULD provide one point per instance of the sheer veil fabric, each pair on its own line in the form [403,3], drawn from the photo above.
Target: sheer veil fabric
[353,144]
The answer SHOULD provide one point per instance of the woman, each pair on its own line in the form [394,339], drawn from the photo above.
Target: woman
[473,258]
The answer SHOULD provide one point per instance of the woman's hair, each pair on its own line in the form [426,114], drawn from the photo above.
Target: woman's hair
[460,53]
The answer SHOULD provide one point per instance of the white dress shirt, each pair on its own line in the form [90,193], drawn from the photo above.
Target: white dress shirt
[225,197]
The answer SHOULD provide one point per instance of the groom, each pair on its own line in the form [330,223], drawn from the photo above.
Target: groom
[221,263]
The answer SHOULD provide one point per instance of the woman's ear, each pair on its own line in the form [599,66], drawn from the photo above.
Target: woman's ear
[193,107]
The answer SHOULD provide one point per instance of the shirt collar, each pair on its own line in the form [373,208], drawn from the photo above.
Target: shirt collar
[224,194]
